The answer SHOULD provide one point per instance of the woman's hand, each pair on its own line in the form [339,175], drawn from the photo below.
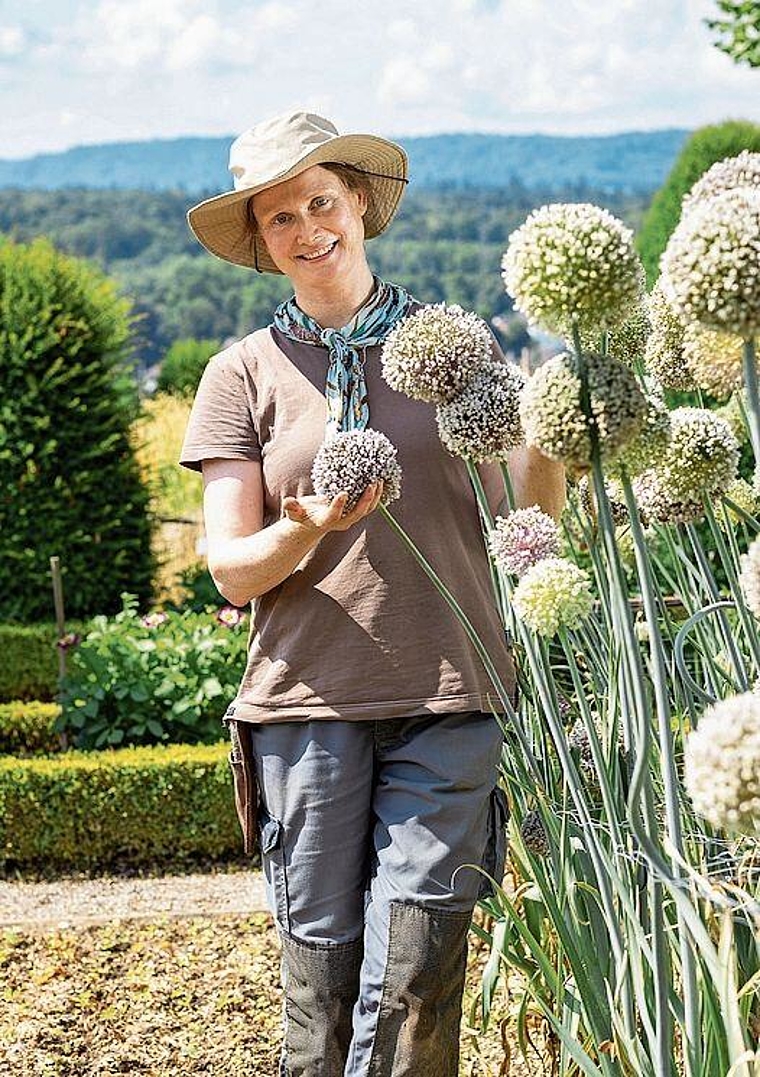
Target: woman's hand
[321,516]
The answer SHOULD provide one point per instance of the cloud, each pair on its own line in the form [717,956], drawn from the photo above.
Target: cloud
[12,42]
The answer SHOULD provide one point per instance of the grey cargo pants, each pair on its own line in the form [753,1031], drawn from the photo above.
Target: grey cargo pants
[365,828]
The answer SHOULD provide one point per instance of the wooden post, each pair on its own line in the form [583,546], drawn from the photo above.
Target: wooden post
[60,624]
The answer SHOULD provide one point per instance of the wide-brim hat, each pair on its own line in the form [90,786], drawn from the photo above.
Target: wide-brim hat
[279,149]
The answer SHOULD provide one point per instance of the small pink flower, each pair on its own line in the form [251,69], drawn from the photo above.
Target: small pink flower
[71,639]
[153,620]
[230,616]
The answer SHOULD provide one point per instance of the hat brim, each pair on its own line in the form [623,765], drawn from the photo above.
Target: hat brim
[221,223]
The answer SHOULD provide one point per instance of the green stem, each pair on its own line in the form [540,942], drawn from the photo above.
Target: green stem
[753,397]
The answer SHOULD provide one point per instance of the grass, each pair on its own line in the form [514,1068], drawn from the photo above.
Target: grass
[190,996]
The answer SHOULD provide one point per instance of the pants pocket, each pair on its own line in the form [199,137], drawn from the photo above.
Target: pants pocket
[244,783]
[495,854]
[271,837]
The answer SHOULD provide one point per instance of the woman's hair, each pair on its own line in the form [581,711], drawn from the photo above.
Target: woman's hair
[352,178]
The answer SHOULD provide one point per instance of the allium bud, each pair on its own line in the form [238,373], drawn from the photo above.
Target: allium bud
[523,538]
[555,593]
[353,459]
[483,421]
[722,764]
[432,354]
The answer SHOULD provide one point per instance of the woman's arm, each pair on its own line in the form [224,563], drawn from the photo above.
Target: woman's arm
[536,480]
[247,559]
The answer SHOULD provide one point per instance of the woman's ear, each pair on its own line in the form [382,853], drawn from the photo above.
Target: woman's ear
[362,200]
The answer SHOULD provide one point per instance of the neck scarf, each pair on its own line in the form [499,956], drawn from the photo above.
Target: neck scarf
[345,386]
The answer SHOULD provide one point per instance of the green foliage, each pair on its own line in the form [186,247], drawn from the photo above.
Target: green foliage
[704,148]
[29,667]
[184,364]
[70,484]
[198,590]
[28,728]
[142,680]
[86,810]
[738,31]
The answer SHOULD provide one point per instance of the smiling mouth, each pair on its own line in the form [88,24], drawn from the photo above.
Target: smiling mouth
[323,252]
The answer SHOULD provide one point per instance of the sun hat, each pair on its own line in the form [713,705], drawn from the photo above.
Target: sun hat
[279,149]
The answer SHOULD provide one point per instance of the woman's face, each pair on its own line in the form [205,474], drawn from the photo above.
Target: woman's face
[313,228]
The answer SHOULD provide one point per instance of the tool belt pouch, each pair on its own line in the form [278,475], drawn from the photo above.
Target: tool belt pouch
[244,781]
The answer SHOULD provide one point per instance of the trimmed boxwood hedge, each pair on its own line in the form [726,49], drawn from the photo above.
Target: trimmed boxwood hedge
[85,810]
[29,666]
[27,728]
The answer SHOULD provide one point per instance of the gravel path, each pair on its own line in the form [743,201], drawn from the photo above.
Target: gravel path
[98,901]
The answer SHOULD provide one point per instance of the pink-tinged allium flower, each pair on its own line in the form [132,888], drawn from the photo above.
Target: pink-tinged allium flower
[740,171]
[722,764]
[230,616]
[555,593]
[522,538]
[67,641]
[353,459]
[155,619]
[553,417]
[711,265]
[432,354]
[749,577]
[573,262]
[663,354]
[714,359]
[483,421]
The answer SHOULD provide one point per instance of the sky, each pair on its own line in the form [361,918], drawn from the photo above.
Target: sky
[76,72]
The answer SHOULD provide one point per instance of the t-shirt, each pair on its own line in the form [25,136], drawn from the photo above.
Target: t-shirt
[357,631]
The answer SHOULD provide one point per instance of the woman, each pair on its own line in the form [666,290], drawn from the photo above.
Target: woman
[368,714]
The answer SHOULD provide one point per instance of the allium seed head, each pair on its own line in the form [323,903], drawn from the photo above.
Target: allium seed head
[711,265]
[573,261]
[663,354]
[533,834]
[740,171]
[714,359]
[555,593]
[353,459]
[554,420]
[523,538]
[722,764]
[483,421]
[432,354]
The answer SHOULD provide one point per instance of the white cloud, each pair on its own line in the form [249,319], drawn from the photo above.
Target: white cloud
[12,41]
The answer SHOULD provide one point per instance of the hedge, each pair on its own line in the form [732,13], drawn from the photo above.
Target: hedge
[29,666]
[27,728]
[85,810]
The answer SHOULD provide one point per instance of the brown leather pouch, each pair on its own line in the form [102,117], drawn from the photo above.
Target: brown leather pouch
[244,780]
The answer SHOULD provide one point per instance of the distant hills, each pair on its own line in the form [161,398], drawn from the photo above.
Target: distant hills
[632,162]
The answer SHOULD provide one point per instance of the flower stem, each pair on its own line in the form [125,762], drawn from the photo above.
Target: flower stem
[753,397]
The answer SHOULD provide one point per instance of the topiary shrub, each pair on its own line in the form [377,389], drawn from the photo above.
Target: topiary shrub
[69,482]
[183,365]
[28,728]
[29,666]
[704,148]
[81,811]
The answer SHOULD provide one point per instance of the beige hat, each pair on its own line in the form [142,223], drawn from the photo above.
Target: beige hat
[279,149]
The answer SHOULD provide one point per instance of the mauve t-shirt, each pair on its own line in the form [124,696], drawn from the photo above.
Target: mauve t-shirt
[357,631]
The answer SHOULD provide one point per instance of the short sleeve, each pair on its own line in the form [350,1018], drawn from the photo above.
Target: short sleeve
[221,423]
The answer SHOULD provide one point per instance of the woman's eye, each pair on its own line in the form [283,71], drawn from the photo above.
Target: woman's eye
[281,218]
[321,202]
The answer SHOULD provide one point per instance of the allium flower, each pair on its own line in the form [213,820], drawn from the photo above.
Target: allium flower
[657,503]
[353,459]
[711,265]
[230,616]
[432,354]
[554,420]
[650,444]
[740,171]
[533,834]
[663,354]
[573,261]
[627,342]
[553,594]
[703,454]
[522,538]
[749,577]
[615,496]
[155,619]
[483,421]
[742,495]
[714,359]
[733,412]
[722,764]
[67,641]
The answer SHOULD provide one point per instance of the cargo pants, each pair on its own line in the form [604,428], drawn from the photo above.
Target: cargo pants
[366,831]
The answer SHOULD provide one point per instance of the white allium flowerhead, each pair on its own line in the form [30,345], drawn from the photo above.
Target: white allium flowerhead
[657,503]
[650,444]
[740,171]
[628,341]
[554,420]
[743,496]
[663,353]
[722,764]
[353,459]
[703,454]
[483,421]
[521,539]
[714,359]
[432,354]
[573,261]
[711,265]
[749,577]
[555,593]
[734,411]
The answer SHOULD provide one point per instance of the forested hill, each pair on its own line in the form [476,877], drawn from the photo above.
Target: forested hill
[633,162]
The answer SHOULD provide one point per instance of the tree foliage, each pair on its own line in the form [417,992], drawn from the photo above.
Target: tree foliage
[184,364]
[737,31]
[704,148]
[69,482]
